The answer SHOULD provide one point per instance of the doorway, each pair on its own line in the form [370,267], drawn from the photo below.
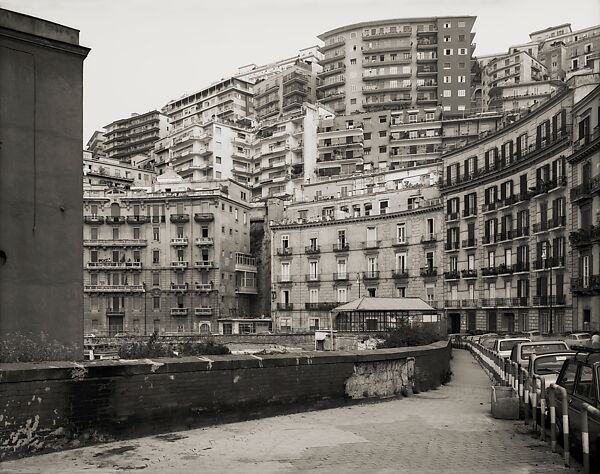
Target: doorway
[454,323]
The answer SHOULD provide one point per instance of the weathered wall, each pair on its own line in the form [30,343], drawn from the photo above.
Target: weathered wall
[41,245]
[54,406]
[260,247]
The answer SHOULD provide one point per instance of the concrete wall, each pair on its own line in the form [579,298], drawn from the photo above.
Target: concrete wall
[41,103]
[49,407]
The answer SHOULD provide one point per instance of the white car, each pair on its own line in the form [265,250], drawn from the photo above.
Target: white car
[578,339]
[548,365]
[503,347]
[522,352]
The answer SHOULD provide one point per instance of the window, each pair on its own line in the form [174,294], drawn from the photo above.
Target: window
[285,271]
[367,135]
[462,51]
[447,66]
[448,52]
[447,93]
[155,234]
[371,292]
[218,160]
[585,386]
[447,25]
[447,39]
[461,24]
[382,149]
[568,378]
[342,295]
[461,92]
[352,101]
[401,233]
[353,61]
[382,119]
[156,257]
[156,302]
[447,79]
[382,133]
[462,79]
[155,279]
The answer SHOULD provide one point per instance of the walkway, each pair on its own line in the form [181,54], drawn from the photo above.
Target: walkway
[448,430]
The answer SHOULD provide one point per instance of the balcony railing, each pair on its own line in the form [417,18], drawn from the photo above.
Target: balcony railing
[204,217]
[179,264]
[179,242]
[138,219]
[469,243]
[520,267]
[469,273]
[470,303]
[180,218]
[341,247]
[285,306]
[520,232]
[504,236]
[203,287]
[400,274]
[371,275]
[284,251]
[400,243]
[115,220]
[204,241]
[547,300]
[452,216]
[114,288]
[371,244]
[312,250]
[489,271]
[452,246]
[203,311]
[452,275]
[179,286]
[179,311]
[93,219]
[340,276]
[469,213]
[107,265]
[428,272]
[115,243]
[429,239]
[310,277]
[451,303]
[504,269]
[204,264]
[586,285]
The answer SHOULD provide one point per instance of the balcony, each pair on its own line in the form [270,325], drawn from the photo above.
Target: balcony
[371,244]
[451,246]
[203,287]
[115,220]
[489,207]
[452,303]
[93,219]
[400,243]
[204,264]
[179,242]
[180,218]
[547,263]
[521,267]
[467,213]
[341,247]
[203,311]
[108,265]
[115,243]
[284,251]
[204,241]
[470,303]
[429,272]
[469,274]
[504,269]
[520,232]
[488,239]
[325,306]
[115,312]
[504,236]
[548,185]
[246,290]
[312,250]
[285,306]
[452,275]
[493,302]
[179,311]
[586,286]
[179,265]
[138,219]
[245,263]
[519,301]
[179,287]
[547,300]
[371,275]
[489,272]
[469,243]
[204,217]
[400,274]
[453,216]
[340,276]
[113,288]
[283,279]
[312,278]
[429,239]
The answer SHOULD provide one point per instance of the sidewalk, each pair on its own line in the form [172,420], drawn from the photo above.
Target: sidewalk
[448,430]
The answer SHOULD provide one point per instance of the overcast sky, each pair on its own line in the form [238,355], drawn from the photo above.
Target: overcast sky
[147,52]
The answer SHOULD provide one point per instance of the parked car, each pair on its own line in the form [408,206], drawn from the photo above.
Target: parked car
[488,342]
[503,347]
[533,335]
[522,351]
[548,365]
[578,338]
[580,376]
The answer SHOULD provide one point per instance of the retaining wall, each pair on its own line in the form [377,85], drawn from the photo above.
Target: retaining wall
[52,406]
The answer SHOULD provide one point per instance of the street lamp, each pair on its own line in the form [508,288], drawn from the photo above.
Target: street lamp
[145,320]
[358,283]
[547,258]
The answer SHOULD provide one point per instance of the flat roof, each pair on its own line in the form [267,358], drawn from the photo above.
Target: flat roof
[364,24]
[38,27]
[550,28]
[366,303]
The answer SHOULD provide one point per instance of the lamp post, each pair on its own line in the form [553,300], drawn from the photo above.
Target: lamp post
[145,320]
[547,258]
[358,283]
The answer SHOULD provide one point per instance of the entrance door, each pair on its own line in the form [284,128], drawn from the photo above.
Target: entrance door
[115,325]
[508,322]
[454,323]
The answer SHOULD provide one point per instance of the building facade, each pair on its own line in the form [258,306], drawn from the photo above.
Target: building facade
[506,260]
[397,64]
[254,73]
[331,248]
[584,164]
[40,178]
[99,171]
[172,258]
[135,135]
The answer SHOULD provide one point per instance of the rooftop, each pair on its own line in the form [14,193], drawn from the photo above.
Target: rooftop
[366,303]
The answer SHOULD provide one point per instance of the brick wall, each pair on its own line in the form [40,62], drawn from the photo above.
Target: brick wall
[53,406]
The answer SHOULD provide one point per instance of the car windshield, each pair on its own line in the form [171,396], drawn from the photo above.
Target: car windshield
[509,344]
[549,364]
[489,343]
[526,351]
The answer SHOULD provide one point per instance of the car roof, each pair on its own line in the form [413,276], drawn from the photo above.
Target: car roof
[541,343]
[553,353]
[524,339]
[579,334]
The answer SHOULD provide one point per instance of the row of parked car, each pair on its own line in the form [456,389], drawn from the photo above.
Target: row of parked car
[570,361]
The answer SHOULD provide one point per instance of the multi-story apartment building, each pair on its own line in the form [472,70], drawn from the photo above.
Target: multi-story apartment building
[520,96]
[96,145]
[226,100]
[115,173]
[134,135]
[173,257]
[506,260]
[215,149]
[347,238]
[397,64]
[254,73]
[585,212]
[286,91]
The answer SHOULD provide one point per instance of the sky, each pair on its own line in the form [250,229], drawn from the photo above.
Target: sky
[145,53]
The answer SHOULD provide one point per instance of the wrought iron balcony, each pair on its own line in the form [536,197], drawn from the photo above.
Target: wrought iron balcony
[469,243]
[204,217]
[179,311]
[341,247]
[138,219]
[469,273]
[204,241]
[586,285]
[452,275]
[312,250]
[449,246]
[341,276]
[180,218]
[285,306]
[203,311]
[310,277]
[452,303]
[93,219]
[324,306]
[371,275]
[400,274]
[284,251]
[547,300]
[371,244]
[428,272]
[115,220]
[489,271]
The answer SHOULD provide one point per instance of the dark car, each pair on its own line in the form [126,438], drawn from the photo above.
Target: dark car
[580,376]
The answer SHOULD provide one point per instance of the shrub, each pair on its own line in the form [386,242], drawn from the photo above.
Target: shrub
[153,348]
[406,336]
[17,347]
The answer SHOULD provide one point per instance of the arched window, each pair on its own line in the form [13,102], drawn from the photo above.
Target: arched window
[115,210]
[204,328]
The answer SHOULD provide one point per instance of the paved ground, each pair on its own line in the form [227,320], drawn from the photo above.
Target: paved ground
[448,430]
